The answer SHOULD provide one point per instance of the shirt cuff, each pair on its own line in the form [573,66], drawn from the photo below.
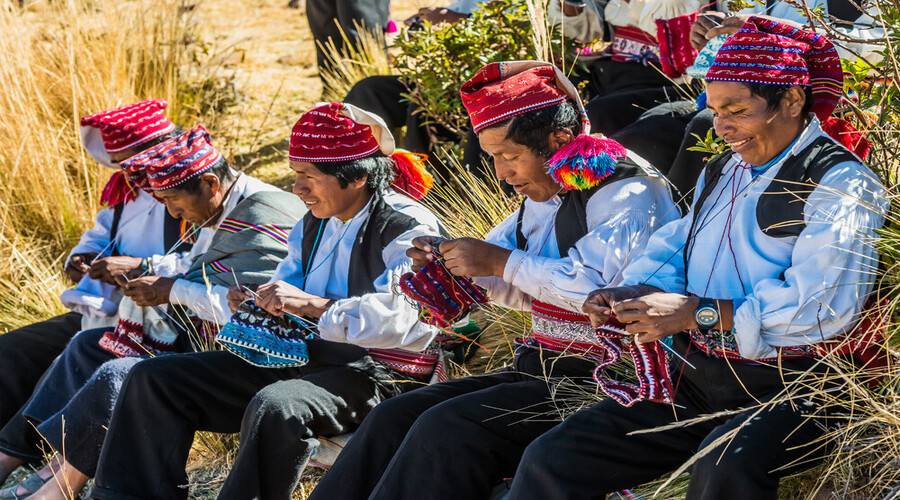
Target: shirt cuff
[748,331]
[513,263]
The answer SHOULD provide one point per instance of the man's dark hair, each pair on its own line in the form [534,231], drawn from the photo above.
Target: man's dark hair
[533,129]
[774,93]
[158,140]
[378,167]
[220,169]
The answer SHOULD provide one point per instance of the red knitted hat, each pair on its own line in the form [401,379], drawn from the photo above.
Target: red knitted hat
[502,90]
[172,162]
[764,51]
[338,132]
[122,128]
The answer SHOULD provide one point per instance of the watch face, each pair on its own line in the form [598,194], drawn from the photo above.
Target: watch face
[707,317]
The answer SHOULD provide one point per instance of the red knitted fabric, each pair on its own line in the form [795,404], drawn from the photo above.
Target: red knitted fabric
[442,297]
[675,50]
[323,134]
[132,125]
[650,364]
[172,162]
[764,51]
[848,136]
[493,95]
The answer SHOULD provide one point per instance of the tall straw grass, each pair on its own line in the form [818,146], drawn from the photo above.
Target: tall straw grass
[58,61]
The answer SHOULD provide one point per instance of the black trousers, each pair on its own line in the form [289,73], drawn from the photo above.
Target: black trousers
[26,353]
[165,400]
[474,428]
[591,454]
[328,17]
[62,381]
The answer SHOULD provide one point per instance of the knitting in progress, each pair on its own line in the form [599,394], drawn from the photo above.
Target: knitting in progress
[442,298]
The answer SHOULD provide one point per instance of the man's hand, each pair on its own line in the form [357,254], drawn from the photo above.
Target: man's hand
[656,315]
[108,269]
[472,257]
[236,296]
[436,15]
[702,26]
[279,298]
[149,290]
[78,265]
[599,304]
[420,253]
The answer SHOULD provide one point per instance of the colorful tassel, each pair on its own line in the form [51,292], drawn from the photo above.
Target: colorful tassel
[410,174]
[585,162]
[848,136]
[117,190]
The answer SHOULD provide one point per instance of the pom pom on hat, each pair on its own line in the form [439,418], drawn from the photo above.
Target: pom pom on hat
[848,136]
[585,162]
[118,190]
[410,174]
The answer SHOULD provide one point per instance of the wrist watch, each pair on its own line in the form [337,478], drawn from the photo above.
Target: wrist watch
[706,315]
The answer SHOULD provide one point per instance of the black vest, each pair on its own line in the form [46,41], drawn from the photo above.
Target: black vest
[383,225]
[781,207]
[571,218]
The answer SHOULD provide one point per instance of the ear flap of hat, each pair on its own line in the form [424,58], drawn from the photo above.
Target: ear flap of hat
[562,82]
[92,140]
[380,130]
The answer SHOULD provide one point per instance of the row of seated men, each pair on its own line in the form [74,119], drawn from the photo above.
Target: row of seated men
[721,309]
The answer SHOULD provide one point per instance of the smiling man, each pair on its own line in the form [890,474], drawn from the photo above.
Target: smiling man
[344,256]
[583,219]
[776,256]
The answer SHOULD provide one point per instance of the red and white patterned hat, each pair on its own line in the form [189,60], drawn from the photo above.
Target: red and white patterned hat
[765,51]
[122,128]
[502,90]
[337,131]
[174,161]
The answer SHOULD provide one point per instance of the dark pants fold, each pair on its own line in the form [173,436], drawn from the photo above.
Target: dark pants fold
[164,401]
[474,427]
[591,454]
[77,363]
[26,353]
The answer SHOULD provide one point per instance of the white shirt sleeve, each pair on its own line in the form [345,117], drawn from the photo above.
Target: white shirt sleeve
[622,216]
[382,319]
[500,291]
[95,239]
[833,266]
[209,303]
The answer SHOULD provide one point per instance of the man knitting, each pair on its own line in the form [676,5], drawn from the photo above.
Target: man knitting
[590,207]
[243,224]
[133,231]
[775,257]
[344,256]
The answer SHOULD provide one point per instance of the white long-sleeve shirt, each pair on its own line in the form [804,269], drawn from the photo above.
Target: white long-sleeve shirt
[139,234]
[621,217]
[787,291]
[381,319]
[211,303]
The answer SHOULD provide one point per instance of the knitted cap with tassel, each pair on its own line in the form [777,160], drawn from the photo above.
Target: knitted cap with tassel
[336,131]
[501,90]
